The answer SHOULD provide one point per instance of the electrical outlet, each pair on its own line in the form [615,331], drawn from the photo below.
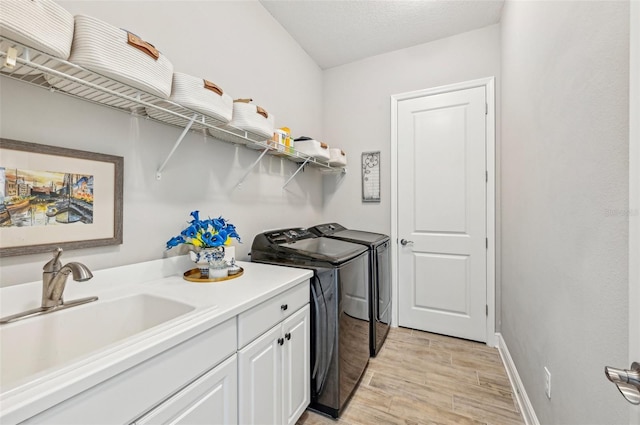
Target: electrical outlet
[547,383]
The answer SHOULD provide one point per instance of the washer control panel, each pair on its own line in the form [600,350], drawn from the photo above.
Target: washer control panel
[289,235]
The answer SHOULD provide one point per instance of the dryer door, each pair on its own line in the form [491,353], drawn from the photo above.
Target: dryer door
[353,281]
[382,293]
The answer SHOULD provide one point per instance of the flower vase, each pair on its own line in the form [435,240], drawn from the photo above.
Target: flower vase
[218,266]
[207,258]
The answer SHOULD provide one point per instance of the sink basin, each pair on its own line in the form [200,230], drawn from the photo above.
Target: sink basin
[36,344]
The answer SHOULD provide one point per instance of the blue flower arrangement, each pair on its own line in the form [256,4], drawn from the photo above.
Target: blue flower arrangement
[205,233]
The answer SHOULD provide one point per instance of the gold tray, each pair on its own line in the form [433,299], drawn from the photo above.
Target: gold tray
[193,275]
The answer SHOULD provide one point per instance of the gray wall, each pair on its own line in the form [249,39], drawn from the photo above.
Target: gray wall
[564,188]
[357,113]
[237,45]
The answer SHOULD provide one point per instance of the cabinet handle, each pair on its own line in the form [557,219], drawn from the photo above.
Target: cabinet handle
[280,341]
[283,307]
[287,336]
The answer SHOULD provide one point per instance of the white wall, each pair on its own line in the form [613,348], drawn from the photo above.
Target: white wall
[564,200]
[237,45]
[357,111]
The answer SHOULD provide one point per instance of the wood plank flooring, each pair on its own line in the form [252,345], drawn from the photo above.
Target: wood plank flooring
[422,378]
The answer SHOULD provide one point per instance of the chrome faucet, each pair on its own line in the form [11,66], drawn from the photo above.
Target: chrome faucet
[54,280]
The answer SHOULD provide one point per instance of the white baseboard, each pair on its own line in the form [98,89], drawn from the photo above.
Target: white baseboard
[528,414]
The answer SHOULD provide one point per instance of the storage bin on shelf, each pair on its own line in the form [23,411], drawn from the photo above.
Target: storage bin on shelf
[311,147]
[118,55]
[252,119]
[337,157]
[199,95]
[39,24]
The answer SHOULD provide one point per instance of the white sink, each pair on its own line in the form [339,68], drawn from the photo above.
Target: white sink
[33,345]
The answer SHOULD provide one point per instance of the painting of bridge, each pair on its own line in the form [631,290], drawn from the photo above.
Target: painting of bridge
[44,198]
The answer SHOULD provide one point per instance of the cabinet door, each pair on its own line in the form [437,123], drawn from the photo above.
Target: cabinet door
[211,399]
[296,359]
[260,380]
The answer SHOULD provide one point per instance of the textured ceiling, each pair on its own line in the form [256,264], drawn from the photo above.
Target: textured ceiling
[335,32]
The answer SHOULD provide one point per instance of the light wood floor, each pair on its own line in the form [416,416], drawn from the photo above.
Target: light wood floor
[424,378]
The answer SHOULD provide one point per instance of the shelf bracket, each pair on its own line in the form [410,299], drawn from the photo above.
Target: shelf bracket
[297,171]
[175,146]
[252,167]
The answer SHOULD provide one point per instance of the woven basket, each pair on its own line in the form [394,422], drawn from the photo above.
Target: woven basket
[40,24]
[120,55]
[254,119]
[198,95]
[337,157]
[312,148]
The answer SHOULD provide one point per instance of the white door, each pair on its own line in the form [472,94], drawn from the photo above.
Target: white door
[442,207]
[260,380]
[296,371]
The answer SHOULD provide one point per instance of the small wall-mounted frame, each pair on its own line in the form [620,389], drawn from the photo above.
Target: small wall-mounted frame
[371,176]
[57,197]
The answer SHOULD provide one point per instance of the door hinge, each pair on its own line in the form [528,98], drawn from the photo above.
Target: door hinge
[486,176]
[486,109]
[486,242]
[486,310]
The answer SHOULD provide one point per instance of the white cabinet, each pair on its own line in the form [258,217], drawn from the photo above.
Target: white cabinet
[127,396]
[211,399]
[296,372]
[252,368]
[259,319]
[260,380]
[274,369]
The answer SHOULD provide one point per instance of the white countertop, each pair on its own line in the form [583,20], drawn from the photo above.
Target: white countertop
[214,303]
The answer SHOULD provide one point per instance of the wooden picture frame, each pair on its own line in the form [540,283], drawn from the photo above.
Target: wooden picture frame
[58,197]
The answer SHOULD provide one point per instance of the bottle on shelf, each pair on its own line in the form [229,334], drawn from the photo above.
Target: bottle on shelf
[287,140]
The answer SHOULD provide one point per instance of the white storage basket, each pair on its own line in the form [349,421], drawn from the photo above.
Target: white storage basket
[198,95]
[311,147]
[337,157]
[253,119]
[39,24]
[121,56]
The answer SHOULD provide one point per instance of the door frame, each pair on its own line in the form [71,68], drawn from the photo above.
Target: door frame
[490,162]
[634,194]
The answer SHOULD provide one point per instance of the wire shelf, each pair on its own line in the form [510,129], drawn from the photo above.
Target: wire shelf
[57,75]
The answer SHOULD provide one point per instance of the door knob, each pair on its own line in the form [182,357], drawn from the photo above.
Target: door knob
[405,242]
[627,381]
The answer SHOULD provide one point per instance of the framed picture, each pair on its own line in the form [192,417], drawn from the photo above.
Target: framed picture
[371,176]
[57,197]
